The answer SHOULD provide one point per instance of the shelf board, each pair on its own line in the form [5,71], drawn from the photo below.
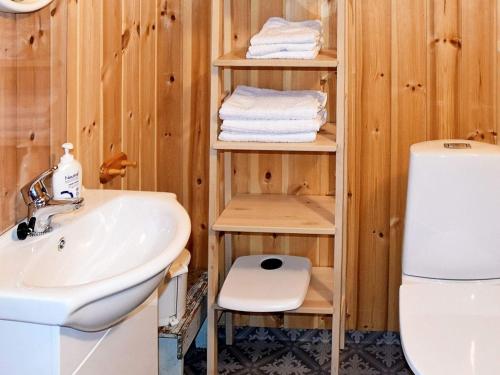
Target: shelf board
[276,213]
[325,59]
[325,142]
[319,297]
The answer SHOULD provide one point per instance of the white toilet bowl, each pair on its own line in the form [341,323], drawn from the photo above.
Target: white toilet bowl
[450,327]
[450,294]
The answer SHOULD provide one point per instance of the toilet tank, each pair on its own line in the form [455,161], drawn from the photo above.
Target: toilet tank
[452,224]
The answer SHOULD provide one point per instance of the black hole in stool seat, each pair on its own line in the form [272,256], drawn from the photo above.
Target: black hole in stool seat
[271,264]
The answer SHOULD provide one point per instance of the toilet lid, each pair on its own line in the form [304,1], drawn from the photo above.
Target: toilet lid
[451,327]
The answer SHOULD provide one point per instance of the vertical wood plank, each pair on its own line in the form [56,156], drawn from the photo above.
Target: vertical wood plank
[58,77]
[89,89]
[8,119]
[375,112]
[408,125]
[111,85]
[443,60]
[148,99]
[33,98]
[187,82]
[72,72]
[477,64]
[131,114]
[169,128]
[200,123]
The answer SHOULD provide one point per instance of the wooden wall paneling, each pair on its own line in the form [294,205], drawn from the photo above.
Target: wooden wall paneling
[375,112]
[73,77]
[200,117]
[33,98]
[408,125]
[58,77]
[112,40]
[8,120]
[443,60]
[147,163]
[131,86]
[478,63]
[89,123]
[169,75]
[187,80]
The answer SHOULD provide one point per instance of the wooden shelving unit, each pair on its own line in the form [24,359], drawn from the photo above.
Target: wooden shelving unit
[233,211]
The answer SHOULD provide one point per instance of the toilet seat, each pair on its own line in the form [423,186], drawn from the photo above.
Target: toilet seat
[451,327]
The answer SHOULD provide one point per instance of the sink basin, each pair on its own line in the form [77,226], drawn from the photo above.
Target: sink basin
[97,265]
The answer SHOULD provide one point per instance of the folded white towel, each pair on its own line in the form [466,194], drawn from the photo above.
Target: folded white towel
[299,55]
[264,49]
[251,103]
[262,137]
[275,126]
[278,30]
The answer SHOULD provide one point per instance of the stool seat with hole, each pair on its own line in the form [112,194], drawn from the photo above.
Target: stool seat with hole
[266,283]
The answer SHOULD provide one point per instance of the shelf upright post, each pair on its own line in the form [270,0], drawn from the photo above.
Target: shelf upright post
[341,201]
[228,237]
[213,212]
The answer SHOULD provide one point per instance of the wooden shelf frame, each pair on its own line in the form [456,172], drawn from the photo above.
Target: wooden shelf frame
[326,294]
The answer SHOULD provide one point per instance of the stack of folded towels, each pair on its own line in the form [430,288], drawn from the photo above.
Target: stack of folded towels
[282,39]
[261,115]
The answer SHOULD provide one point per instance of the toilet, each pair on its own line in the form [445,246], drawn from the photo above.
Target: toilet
[450,292]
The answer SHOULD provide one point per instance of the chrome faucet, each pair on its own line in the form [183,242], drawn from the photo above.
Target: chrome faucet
[42,206]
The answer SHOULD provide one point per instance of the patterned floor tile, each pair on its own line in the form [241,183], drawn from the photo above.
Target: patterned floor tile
[272,351]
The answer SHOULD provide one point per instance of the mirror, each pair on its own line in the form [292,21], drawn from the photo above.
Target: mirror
[22,6]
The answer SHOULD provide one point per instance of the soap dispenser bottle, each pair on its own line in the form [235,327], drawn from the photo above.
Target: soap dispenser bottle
[67,179]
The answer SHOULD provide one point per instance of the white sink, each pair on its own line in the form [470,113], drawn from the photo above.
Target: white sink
[116,250]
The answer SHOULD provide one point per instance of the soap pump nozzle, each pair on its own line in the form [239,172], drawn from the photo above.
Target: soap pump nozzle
[68,156]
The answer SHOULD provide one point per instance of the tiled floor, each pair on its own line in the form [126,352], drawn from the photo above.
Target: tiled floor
[265,351]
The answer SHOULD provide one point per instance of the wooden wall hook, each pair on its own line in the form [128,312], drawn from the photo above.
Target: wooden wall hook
[115,166]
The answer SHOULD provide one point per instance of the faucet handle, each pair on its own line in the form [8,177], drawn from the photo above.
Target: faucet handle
[35,190]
